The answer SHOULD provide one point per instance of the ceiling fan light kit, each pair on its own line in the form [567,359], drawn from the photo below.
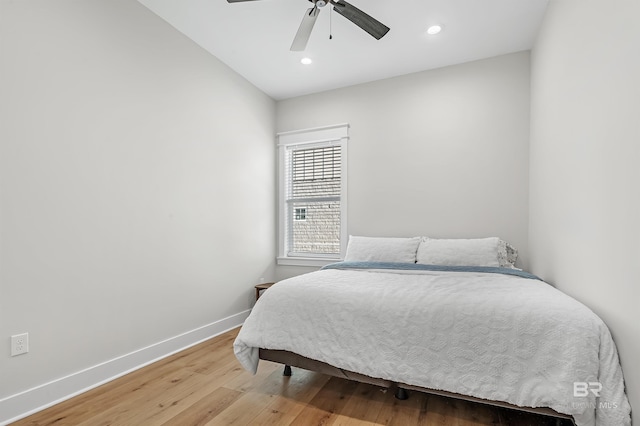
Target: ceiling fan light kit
[372,26]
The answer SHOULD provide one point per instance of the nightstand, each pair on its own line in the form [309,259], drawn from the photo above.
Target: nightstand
[262,286]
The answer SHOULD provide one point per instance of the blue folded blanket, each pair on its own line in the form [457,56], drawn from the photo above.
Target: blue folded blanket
[422,267]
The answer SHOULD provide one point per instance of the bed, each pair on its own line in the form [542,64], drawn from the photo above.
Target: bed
[482,331]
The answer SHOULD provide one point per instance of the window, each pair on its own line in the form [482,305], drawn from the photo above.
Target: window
[312,209]
[300,214]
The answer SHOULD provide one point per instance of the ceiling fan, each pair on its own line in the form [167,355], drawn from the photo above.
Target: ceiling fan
[352,13]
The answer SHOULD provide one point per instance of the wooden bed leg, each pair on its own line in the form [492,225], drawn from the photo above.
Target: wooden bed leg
[287,371]
[401,393]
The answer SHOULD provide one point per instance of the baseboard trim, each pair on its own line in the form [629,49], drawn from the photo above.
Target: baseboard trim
[23,404]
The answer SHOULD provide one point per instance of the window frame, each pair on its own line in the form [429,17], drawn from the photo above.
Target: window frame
[335,135]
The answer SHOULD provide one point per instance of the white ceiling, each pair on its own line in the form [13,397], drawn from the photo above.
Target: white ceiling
[253,38]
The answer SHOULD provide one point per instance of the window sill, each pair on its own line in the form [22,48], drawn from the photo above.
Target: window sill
[305,261]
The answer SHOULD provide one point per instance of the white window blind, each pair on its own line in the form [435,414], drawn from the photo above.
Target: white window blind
[313,194]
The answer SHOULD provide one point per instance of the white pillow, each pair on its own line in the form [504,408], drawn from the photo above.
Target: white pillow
[380,249]
[459,252]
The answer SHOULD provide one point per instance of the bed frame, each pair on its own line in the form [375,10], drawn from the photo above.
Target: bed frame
[292,359]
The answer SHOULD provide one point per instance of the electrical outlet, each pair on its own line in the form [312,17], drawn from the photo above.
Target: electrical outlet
[19,344]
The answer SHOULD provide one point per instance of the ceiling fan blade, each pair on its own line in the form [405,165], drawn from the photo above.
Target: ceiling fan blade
[304,31]
[361,19]
[238,1]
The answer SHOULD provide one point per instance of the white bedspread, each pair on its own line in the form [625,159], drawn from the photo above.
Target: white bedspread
[491,336]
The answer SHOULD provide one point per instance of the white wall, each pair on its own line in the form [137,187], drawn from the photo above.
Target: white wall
[585,152]
[137,185]
[442,153]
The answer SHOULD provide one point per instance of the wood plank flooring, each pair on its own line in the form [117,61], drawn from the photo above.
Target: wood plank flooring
[205,385]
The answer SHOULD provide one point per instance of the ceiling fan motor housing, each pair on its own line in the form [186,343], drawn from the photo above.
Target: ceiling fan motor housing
[321,3]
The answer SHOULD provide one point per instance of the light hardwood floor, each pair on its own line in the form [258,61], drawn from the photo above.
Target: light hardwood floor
[205,385]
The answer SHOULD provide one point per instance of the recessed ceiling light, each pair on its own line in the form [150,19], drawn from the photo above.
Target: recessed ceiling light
[434,29]
[305,61]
